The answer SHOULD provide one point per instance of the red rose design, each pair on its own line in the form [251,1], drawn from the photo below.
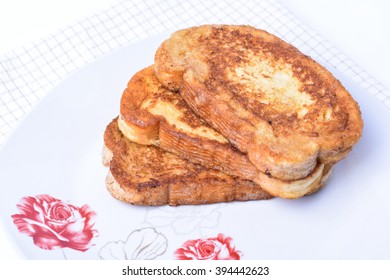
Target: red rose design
[54,224]
[215,248]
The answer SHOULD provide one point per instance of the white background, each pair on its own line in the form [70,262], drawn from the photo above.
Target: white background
[361,29]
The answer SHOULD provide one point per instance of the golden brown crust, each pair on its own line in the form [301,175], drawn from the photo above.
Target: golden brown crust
[152,114]
[271,101]
[146,175]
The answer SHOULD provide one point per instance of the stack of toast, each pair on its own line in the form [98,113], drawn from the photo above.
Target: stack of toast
[228,113]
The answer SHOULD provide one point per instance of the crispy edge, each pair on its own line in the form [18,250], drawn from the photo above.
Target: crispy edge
[143,127]
[169,139]
[207,189]
[327,154]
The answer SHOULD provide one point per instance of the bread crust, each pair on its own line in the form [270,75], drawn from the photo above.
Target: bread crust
[150,114]
[146,175]
[284,110]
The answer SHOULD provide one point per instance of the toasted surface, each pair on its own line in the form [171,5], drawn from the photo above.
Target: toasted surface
[284,110]
[153,115]
[146,175]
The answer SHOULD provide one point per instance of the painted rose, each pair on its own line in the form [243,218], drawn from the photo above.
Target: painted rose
[215,248]
[54,224]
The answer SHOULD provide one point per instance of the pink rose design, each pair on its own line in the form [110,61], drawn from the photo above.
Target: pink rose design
[215,248]
[54,224]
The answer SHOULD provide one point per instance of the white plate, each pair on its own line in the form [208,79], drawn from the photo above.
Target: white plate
[57,151]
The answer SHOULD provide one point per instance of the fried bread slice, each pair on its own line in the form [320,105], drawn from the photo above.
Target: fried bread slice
[273,103]
[146,175]
[150,114]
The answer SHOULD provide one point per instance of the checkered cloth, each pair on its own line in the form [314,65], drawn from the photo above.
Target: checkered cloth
[28,73]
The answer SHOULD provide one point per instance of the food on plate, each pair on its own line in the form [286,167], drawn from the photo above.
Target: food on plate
[147,175]
[228,112]
[273,103]
[152,114]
